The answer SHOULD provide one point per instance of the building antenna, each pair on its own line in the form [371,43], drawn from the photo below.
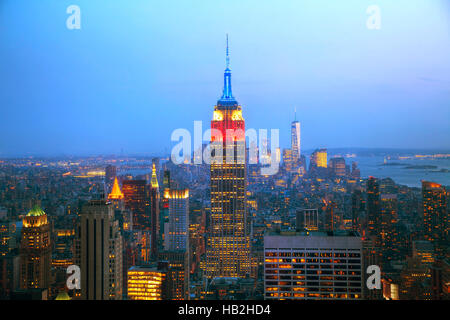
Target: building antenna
[228,56]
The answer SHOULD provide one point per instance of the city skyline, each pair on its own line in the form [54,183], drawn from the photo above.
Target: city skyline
[321,236]
[130,170]
[56,103]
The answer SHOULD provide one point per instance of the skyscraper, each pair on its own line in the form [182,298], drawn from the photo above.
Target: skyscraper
[289,160]
[228,245]
[125,219]
[154,213]
[117,198]
[9,274]
[295,140]
[330,218]
[435,216]
[176,235]
[338,167]
[197,248]
[372,241]
[166,179]
[358,209]
[355,173]
[440,279]
[9,256]
[7,236]
[99,252]
[388,233]
[319,158]
[175,265]
[164,210]
[319,163]
[35,250]
[136,200]
[176,244]
[373,207]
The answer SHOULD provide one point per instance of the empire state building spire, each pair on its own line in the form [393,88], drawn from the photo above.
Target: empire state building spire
[227,94]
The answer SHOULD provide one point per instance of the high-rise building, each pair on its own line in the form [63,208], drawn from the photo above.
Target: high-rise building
[228,244]
[295,140]
[390,288]
[145,283]
[330,215]
[435,216]
[319,158]
[288,160]
[163,220]
[355,173]
[388,186]
[137,201]
[197,248]
[35,250]
[372,240]
[175,266]
[440,280]
[117,198]
[358,209]
[131,257]
[62,256]
[415,283]
[9,256]
[110,174]
[371,256]
[176,244]
[318,164]
[313,265]
[166,179]
[125,219]
[154,213]
[388,234]
[373,207]
[176,233]
[7,236]
[338,167]
[98,251]
[9,274]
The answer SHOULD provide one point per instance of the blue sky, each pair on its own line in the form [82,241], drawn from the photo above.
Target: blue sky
[137,70]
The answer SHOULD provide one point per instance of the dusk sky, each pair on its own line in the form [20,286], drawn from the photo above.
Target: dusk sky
[137,70]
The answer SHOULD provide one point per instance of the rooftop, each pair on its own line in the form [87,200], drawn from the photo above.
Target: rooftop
[36,211]
[116,193]
[337,233]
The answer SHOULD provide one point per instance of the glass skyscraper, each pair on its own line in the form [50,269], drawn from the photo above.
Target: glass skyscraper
[295,140]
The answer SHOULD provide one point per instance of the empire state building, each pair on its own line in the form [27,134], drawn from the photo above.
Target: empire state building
[228,244]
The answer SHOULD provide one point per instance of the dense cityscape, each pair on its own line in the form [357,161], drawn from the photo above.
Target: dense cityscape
[210,159]
[146,228]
